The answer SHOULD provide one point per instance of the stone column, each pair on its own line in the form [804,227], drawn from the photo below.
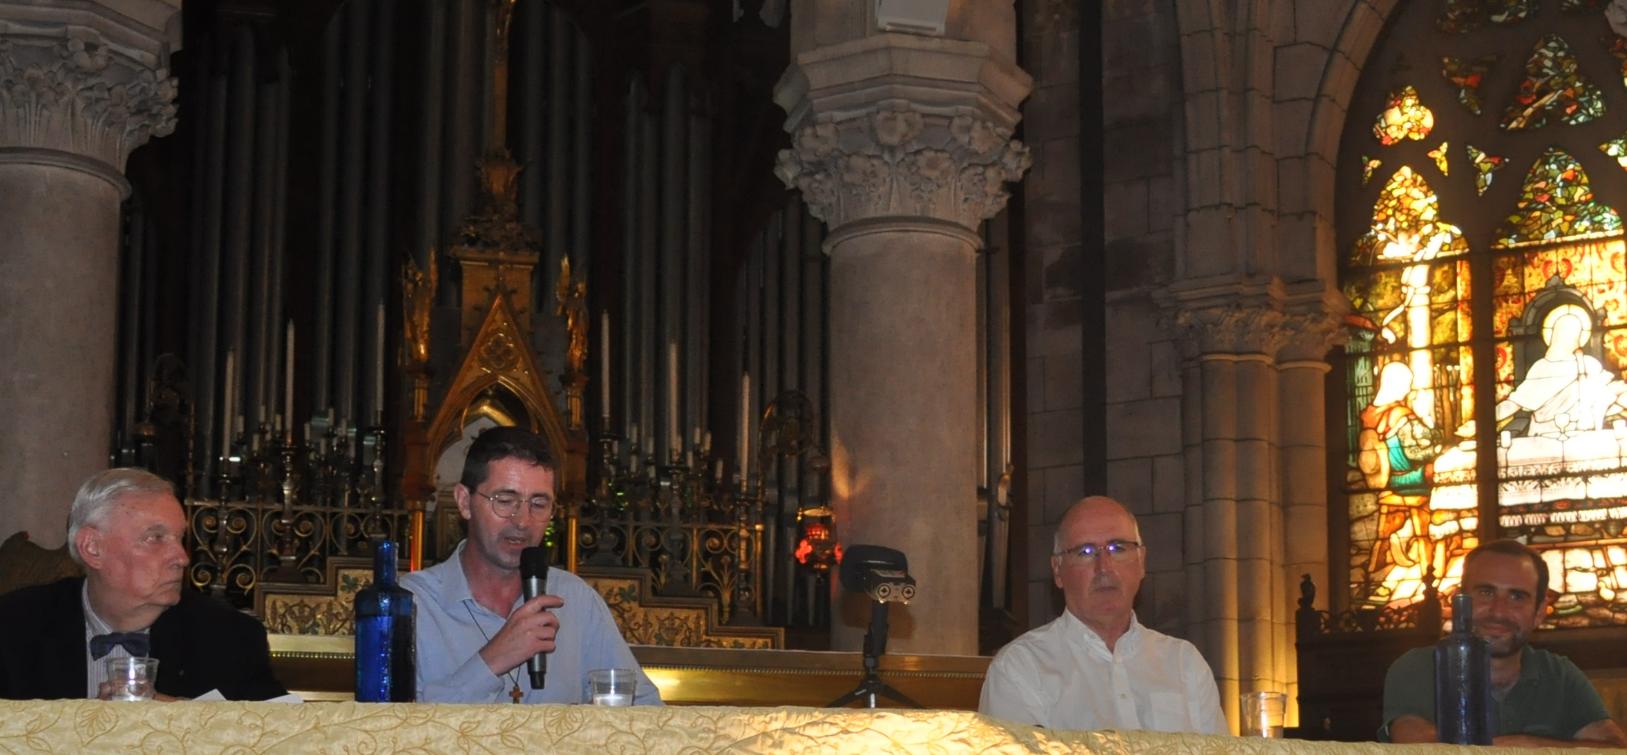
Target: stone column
[903,147]
[1301,370]
[1233,341]
[81,85]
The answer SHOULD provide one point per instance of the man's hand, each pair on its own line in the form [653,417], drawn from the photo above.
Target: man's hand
[529,630]
[1411,730]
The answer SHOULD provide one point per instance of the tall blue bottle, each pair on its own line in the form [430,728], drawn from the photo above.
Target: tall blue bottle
[1463,706]
[385,646]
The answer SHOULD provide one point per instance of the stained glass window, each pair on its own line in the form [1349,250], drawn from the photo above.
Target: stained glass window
[1522,284]
[1618,49]
[1485,168]
[1439,156]
[1616,148]
[1464,16]
[1404,118]
[1553,85]
[1556,204]
[1466,76]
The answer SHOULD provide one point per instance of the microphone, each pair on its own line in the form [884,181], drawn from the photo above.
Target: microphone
[533,580]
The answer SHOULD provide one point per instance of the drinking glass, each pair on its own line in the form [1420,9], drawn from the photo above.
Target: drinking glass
[612,686]
[1263,714]
[131,678]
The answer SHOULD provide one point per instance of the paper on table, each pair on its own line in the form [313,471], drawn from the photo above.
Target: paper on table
[214,696]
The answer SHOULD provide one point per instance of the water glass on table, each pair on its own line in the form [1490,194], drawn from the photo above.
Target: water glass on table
[612,686]
[1263,714]
[131,679]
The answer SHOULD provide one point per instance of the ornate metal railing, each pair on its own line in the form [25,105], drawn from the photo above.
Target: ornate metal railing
[282,509]
[696,533]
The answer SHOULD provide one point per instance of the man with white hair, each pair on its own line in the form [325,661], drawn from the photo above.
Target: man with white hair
[1096,667]
[125,529]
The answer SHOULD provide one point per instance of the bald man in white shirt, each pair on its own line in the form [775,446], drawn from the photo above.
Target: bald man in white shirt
[1095,666]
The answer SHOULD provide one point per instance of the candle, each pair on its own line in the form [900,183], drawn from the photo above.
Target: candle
[745,422]
[288,381]
[604,367]
[632,437]
[227,407]
[706,443]
[378,381]
[675,437]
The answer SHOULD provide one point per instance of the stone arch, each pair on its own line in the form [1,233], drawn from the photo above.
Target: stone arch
[1310,158]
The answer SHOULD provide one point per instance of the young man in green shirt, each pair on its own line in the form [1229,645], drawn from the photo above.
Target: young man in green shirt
[1542,699]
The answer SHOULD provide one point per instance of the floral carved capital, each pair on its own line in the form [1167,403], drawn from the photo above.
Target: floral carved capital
[1238,330]
[1309,335]
[900,161]
[80,96]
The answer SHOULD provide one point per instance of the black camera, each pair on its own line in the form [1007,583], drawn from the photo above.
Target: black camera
[879,572]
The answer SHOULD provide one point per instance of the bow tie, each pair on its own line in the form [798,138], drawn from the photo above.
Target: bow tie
[135,643]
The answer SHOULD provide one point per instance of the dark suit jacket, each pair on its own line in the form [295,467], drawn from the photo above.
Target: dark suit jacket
[200,645]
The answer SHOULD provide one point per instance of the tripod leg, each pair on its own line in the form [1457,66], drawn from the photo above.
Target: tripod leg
[887,690]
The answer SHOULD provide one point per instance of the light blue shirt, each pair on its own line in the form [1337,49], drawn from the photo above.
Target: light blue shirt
[452,628]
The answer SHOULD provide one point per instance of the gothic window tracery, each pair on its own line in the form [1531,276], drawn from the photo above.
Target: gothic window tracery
[1511,285]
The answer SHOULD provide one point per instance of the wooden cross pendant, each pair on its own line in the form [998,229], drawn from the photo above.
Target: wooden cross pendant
[516,694]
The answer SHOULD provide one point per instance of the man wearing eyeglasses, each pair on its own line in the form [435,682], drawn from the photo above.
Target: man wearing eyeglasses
[475,629]
[1096,667]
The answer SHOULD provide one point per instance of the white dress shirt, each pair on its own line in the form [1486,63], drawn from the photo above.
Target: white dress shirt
[1062,676]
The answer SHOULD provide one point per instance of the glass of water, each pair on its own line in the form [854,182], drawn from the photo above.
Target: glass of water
[1263,713]
[131,678]
[612,686]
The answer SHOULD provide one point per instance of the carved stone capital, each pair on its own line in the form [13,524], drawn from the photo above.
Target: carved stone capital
[900,126]
[85,85]
[1233,329]
[1307,336]
[900,161]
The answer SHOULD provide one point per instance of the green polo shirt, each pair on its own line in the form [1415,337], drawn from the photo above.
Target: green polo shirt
[1552,698]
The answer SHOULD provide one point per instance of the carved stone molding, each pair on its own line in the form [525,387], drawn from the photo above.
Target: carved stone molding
[900,161]
[81,95]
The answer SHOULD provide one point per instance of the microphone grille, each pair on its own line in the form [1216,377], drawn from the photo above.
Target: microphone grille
[534,561]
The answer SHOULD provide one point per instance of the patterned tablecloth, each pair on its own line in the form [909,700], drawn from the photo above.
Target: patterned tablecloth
[81,726]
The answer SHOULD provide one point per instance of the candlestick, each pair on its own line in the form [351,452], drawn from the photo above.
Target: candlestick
[228,406]
[288,381]
[675,437]
[745,422]
[378,379]
[604,367]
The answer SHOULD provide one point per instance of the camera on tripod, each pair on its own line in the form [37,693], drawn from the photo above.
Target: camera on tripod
[882,573]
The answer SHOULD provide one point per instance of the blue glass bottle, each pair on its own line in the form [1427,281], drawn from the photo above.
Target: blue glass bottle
[386,649]
[1463,705]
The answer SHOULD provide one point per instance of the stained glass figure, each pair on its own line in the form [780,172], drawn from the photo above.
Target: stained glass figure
[1616,148]
[1554,85]
[1370,165]
[1439,156]
[1617,45]
[1486,166]
[1405,117]
[1466,76]
[1556,204]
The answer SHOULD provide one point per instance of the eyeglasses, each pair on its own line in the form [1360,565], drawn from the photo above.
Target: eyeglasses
[506,505]
[1115,550]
